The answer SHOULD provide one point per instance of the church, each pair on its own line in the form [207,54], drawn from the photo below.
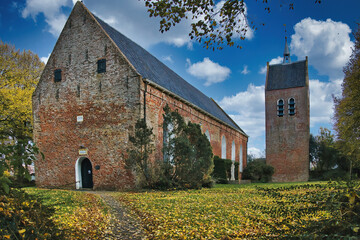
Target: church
[96,84]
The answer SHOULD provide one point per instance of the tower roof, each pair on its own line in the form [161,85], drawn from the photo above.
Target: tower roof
[287,58]
[282,76]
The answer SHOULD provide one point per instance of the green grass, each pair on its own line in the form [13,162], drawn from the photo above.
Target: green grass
[234,211]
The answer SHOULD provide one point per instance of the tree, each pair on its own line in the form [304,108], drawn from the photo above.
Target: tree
[213,22]
[139,155]
[313,151]
[326,152]
[347,108]
[19,75]
[187,152]
[326,157]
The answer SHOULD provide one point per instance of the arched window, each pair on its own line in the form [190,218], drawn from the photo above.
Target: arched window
[223,148]
[291,104]
[207,134]
[233,151]
[167,136]
[241,159]
[280,108]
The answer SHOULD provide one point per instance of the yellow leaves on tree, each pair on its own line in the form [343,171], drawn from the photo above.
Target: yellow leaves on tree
[19,74]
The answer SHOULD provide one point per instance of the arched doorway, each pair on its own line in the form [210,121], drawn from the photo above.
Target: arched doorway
[83,172]
[86,174]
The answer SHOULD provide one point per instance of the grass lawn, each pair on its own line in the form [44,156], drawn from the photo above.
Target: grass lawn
[81,215]
[236,211]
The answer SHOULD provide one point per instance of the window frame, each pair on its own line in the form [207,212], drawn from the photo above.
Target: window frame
[58,75]
[280,107]
[101,65]
[291,106]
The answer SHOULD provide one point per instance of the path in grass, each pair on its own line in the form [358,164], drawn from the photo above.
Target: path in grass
[123,225]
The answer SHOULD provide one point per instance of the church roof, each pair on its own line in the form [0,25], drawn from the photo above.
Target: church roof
[288,75]
[154,70]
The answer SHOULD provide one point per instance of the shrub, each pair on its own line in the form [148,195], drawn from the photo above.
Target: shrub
[237,171]
[258,171]
[333,174]
[222,170]
[138,159]
[187,152]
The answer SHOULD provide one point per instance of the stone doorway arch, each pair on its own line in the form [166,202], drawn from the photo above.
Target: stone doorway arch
[83,173]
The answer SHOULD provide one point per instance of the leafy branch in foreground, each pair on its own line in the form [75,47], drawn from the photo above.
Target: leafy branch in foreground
[212,22]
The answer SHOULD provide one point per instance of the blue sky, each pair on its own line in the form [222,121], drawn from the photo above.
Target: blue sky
[234,77]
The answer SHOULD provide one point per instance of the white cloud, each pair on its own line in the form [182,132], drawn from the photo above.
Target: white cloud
[51,10]
[127,16]
[326,43]
[272,61]
[245,70]
[45,59]
[249,34]
[248,109]
[168,59]
[210,71]
[255,152]
[132,19]
[321,100]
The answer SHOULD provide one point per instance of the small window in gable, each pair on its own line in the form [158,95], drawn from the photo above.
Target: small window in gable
[57,75]
[280,108]
[291,104]
[101,65]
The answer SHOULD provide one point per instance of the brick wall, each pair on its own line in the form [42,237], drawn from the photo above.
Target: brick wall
[108,102]
[156,100]
[287,137]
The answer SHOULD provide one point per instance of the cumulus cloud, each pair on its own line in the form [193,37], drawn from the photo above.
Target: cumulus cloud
[127,16]
[255,152]
[272,61]
[51,10]
[245,70]
[326,43]
[45,59]
[210,71]
[248,109]
[132,19]
[321,100]
[168,59]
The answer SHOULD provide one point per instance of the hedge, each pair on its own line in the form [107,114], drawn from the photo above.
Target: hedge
[222,170]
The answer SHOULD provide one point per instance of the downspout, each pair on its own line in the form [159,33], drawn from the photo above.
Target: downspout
[145,165]
[145,90]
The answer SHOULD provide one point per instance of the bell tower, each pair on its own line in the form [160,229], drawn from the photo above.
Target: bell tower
[288,119]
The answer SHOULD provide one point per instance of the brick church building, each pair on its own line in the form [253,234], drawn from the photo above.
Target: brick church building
[288,119]
[96,84]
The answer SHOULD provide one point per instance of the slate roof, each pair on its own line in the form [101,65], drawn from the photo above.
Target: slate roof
[152,69]
[289,75]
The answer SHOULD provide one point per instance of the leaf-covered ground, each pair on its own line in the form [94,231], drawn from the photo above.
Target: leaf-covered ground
[265,211]
[255,211]
[80,215]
